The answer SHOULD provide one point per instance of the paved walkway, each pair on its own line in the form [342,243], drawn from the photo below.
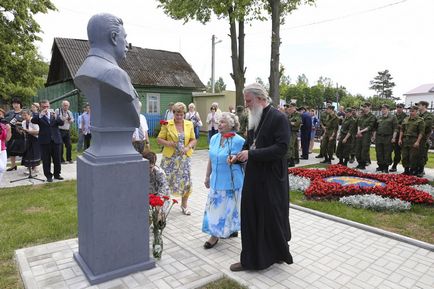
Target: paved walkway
[327,254]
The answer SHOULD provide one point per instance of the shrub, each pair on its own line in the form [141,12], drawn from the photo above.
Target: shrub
[376,203]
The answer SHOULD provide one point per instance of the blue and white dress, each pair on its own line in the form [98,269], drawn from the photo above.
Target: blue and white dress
[222,211]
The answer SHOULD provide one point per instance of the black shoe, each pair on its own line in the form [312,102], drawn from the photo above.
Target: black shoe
[208,245]
[319,156]
[233,235]
[406,171]
[291,165]
[332,159]
[326,161]
[351,159]
[297,161]
[58,178]
[304,158]
[71,162]
[386,169]
[393,169]
[64,163]
[14,168]
[379,169]
[49,180]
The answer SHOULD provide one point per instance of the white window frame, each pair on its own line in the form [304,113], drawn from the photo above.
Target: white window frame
[149,105]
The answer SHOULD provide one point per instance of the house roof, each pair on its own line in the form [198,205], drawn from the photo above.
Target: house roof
[424,88]
[146,67]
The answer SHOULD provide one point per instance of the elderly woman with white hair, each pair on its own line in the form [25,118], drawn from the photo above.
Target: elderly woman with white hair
[193,116]
[225,180]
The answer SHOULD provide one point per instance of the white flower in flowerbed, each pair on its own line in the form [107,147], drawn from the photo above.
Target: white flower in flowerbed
[297,183]
[426,188]
[376,203]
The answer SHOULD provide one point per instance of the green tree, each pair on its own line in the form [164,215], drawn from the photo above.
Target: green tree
[278,10]
[219,85]
[377,102]
[22,71]
[383,84]
[235,11]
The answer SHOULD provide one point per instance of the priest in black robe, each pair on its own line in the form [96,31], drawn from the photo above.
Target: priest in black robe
[265,229]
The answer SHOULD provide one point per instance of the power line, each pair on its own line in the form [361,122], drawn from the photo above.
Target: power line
[345,16]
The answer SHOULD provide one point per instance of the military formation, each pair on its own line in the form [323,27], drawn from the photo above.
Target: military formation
[398,136]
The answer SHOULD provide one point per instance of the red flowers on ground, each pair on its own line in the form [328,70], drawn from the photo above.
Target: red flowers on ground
[396,185]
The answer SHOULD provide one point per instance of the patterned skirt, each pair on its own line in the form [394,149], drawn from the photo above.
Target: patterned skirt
[178,172]
[222,213]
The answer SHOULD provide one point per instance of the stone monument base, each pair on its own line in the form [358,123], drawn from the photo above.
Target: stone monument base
[113,229]
[96,279]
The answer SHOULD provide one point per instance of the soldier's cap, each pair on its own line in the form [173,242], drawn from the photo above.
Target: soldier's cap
[401,105]
[385,106]
[422,102]
[301,108]
[292,104]
[330,107]
[366,104]
[414,107]
[240,108]
[348,109]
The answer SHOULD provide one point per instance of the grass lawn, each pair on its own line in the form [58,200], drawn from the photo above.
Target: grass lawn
[418,223]
[429,164]
[34,215]
[224,283]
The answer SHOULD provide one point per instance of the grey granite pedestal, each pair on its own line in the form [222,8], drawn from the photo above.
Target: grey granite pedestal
[112,218]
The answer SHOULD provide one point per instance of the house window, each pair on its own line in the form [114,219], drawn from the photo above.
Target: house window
[153,101]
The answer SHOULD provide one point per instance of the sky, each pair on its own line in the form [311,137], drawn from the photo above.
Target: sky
[348,41]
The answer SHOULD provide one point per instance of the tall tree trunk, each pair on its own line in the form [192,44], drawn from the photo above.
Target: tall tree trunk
[237,58]
[274,78]
[242,79]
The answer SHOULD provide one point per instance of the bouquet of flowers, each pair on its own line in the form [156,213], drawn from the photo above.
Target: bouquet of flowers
[159,209]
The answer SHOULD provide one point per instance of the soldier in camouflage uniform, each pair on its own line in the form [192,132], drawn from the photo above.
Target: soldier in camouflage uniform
[424,146]
[294,119]
[355,115]
[400,116]
[322,121]
[346,136]
[412,131]
[330,134]
[243,119]
[385,135]
[365,126]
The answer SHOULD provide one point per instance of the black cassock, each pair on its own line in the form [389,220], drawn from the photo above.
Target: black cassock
[265,229]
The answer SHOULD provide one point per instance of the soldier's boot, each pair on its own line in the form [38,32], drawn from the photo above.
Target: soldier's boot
[319,156]
[325,161]
[345,162]
[419,172]
[386,169]
[393,168]
[297,161]
[352,159]
[361,166]
[406,171]
[341,161]
[379,168]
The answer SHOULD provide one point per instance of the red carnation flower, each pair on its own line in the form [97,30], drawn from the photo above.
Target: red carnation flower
[163,122]
[229,135]
[175,201]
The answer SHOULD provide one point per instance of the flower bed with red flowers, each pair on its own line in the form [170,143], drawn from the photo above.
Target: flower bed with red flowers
[396,185]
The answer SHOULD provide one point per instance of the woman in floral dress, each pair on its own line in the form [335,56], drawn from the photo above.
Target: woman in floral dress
[178,139]
[225,180]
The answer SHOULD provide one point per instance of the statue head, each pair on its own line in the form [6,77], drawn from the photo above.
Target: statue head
[106,31]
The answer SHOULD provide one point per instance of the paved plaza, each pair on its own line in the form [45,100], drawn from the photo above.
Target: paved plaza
[327,254]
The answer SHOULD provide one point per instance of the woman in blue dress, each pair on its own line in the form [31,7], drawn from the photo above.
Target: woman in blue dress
[222,211]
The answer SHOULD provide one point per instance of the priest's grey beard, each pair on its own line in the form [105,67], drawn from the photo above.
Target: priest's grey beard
[255,114]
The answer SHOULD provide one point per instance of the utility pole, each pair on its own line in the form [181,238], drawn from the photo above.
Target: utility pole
[213,38]
[337,96]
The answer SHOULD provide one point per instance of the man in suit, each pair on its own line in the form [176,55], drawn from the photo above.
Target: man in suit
[305,132]
[49,139]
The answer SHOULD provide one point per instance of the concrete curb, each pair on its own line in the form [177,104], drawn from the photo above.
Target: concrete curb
[404,239]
